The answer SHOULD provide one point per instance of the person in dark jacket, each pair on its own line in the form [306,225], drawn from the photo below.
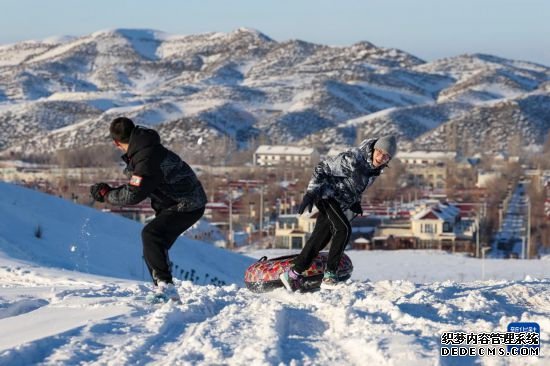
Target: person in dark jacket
[336,186]
[176,194]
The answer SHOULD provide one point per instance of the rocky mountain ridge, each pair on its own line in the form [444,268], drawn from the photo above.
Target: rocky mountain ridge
[62,92]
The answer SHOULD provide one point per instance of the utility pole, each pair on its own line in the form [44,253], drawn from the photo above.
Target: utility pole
[261,211]
[477,236]
[528,227]
[230,236]
[499,216]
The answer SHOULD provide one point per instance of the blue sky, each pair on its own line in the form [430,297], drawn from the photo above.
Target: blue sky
[428,29]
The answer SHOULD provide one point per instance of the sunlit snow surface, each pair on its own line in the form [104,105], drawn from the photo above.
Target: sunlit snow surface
[392,312]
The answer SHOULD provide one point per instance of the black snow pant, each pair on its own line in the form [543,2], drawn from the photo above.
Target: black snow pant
[331,224]
[158,237]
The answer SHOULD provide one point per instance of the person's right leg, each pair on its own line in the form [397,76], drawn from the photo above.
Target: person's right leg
[319,239]
[292,278]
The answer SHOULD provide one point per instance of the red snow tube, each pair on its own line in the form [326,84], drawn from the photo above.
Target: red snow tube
[263,275]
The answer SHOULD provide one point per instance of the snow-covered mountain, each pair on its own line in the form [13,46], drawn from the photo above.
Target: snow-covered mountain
[75,295]
[63,92]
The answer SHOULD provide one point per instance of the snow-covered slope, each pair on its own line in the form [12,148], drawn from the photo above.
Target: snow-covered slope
[244,84]
[75,237]
[393,312]
[100,321]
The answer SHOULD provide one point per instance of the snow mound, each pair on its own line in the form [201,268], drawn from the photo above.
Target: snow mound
[52,232]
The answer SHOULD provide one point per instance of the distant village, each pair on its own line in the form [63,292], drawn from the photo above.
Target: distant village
[481,205]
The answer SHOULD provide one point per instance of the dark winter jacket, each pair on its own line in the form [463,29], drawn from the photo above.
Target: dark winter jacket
[345,176]
[159,174]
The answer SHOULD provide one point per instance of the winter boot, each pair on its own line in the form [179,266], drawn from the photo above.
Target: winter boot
[292,280]
[330,280]
[163,292]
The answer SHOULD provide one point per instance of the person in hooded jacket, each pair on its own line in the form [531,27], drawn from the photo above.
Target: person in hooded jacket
[336,186]
[176,194]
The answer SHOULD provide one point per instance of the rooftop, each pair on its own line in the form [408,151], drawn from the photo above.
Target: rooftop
[284,150]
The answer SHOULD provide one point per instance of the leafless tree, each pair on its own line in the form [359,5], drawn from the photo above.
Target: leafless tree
[94,156]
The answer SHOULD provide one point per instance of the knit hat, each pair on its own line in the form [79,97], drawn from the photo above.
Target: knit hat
[388,144]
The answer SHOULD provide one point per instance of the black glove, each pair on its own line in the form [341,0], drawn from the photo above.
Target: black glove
[308,201]
[99,191]
[356,208]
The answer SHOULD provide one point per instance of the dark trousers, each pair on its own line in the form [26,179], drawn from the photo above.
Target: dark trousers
[158,237]
[331,224]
